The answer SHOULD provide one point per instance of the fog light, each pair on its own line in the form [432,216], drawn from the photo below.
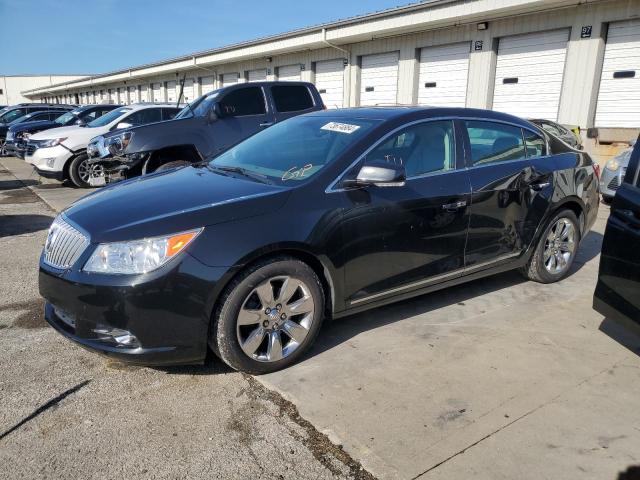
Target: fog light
[50,162]
[119,336]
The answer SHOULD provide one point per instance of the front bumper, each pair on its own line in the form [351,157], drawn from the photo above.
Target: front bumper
[51,159]
[167,312]
[610,181]
[54,175]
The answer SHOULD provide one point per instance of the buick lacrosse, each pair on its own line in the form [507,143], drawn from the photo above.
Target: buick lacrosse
[317,217]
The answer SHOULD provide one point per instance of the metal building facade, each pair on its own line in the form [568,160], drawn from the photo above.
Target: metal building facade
[574,54]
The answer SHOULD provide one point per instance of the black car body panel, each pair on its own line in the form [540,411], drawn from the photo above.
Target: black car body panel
[197,137]
[370,246]
[617,294]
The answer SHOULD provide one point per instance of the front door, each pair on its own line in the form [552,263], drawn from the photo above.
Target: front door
[244,112]
[399,239]
[617,294]
[499,172]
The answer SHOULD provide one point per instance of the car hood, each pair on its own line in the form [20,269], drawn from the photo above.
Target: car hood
[57,132]
[169,202]
[35,124]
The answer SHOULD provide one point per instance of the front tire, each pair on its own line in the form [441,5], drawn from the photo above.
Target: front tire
[79,171]
[556,250]
[268,316]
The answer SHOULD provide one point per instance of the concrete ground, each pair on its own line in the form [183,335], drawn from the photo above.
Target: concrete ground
[496,379]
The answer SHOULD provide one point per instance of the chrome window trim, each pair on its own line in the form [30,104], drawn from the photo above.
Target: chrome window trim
[435,279]
[331,188]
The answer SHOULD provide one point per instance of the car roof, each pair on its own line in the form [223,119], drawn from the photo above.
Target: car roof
[415,113]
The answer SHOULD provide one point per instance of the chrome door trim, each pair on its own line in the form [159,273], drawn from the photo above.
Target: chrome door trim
[435,279]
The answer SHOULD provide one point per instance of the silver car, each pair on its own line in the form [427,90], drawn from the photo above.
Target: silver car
[613,174]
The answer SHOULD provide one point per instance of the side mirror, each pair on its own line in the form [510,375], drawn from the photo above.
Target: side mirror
[123,125]
[379,173]
[215,113]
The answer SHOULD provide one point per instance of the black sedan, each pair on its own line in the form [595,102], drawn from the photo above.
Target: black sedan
[317,217]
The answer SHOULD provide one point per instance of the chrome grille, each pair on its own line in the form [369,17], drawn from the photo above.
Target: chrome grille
[31,148]
[64,244]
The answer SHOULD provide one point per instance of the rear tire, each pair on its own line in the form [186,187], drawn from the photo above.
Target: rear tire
[268,316]
[172,164]
[79,171]
[556,250]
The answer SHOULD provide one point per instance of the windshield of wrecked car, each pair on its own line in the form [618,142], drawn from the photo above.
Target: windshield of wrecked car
[107,118]
[294,150]
[199,107]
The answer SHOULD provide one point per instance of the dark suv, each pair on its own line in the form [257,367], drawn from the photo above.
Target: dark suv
[18,134]
[212,123]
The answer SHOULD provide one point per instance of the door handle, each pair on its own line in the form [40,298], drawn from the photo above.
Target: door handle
[452,207]
[265,124]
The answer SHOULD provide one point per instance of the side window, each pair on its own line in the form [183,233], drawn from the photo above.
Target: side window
[87,117]
[243,102]
[535,144]
[428,147]
[494,142]
[142,117]
[291,98]
[169,113]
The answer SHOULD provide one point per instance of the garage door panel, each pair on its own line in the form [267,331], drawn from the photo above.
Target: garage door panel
[289,73]
[379,79]
[537,61]
[443,75]
[229,79]
[207,84]
[329,80]
[259,75]
[618,103]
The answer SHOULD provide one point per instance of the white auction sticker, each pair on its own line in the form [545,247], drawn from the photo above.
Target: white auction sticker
[340,127]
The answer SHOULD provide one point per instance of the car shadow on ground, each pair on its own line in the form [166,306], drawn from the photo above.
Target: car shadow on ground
[11,225]
[626,335]
[15,184]
[343,329]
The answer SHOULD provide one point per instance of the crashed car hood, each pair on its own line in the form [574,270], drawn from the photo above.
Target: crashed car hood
[170,202]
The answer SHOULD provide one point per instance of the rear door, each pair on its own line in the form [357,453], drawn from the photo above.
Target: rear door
[291,100]
[617,295]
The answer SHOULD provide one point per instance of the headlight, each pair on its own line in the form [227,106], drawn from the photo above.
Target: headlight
[612,165]
[118,143]
[138,256]
[9,135]
[25,136]
[54,142]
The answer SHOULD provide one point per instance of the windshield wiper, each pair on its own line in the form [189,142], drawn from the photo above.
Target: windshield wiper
[244,172]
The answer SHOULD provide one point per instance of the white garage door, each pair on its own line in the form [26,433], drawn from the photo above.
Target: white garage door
[443,75]
[144,93]
[379,79]
[259,75]
[529,74]
[330,82]
[289,73]
[133,95]
[156,92]
[172,91]
[229,79]
[619,96]
[206,84]
[188,92]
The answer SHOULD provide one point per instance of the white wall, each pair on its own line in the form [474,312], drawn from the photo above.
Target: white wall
[12,85]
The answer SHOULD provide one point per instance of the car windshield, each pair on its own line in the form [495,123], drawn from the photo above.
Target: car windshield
[66,117]
[294,150]
[24,118]
[199,107]
[11,115]
[107,118]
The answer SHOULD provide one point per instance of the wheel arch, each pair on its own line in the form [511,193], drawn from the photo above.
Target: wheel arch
[170,153]
[299,252]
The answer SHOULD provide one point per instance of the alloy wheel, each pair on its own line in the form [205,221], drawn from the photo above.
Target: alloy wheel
[275,318]
[84,172]
[560,246]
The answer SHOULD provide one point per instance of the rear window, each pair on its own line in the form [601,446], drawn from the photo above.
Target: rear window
[291,98]
[243,102]
[535,144]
